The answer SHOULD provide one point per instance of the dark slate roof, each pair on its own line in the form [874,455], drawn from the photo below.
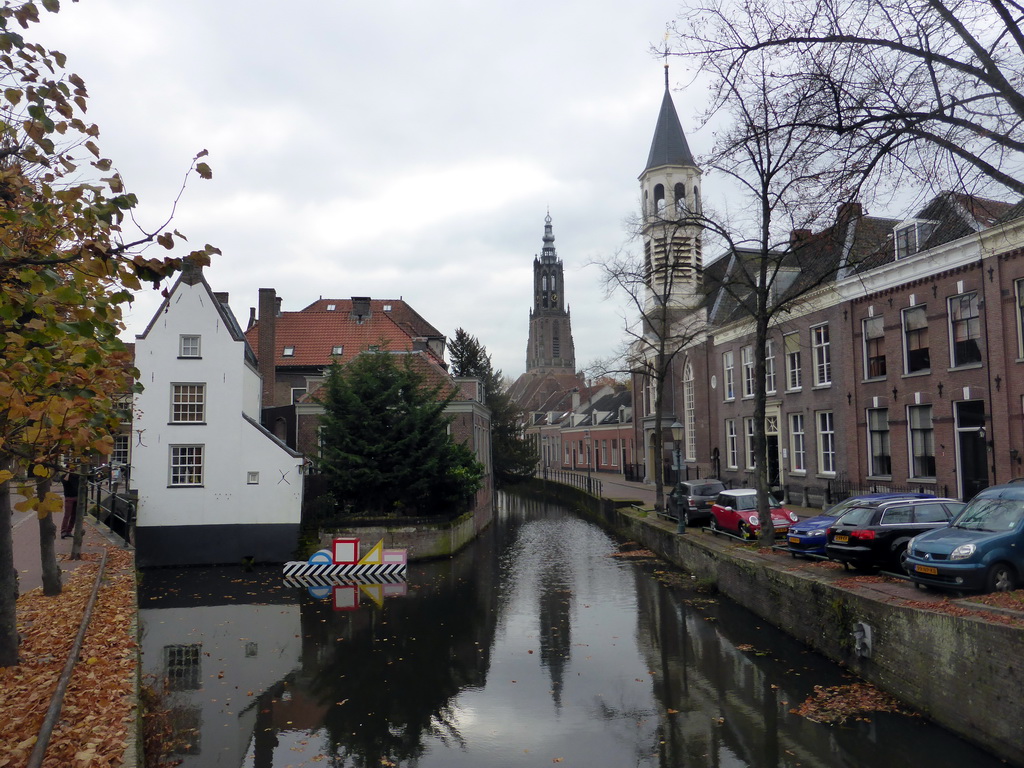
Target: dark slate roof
[669,146]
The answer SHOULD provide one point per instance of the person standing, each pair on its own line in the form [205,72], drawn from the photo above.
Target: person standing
[67,525]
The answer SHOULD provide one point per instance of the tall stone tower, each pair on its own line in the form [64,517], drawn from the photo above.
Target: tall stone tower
[670,194]
[550,348]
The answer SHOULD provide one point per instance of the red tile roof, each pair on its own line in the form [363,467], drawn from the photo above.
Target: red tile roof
[313,333]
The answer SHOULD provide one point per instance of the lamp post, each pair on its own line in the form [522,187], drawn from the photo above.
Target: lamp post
[677,492]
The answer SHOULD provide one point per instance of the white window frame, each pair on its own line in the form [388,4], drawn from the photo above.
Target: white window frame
[188,403]
[872,329]
[921,439]
[920,334]
[825,425]
[186,467]
[729,374]
[822,354]
[731,447]
[970,326]
[747,363]
[769,367]
[749,442]
[794,372]
[879,442]
[190,345]
[690,413]
[797,444]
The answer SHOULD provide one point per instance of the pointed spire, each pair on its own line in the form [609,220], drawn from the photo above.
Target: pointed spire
[548,251]
[669,146]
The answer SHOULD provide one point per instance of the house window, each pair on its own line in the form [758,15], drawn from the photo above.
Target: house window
[731,447]
[604,452]
[1018,286]
[288,352]
[186,465]
[748,430]
[769,366]
[690,415]
[188,346]
[878,442]
[826,442]
[188,403]
[297,392]
[729,375]
[615,453]
[965,327]
[120,454]
[797,444]
[915,339]
[182,667]
[747,360]
[874,348]
[822,355]
[911,237]
[567,455]
[922,441]
[794,377]
[338,350]
[252,478]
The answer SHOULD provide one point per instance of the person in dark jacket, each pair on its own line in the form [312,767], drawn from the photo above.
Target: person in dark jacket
[67,525]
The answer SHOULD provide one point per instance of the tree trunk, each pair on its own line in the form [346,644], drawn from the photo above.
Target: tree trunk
[47,550]
[83,505]
[8,579]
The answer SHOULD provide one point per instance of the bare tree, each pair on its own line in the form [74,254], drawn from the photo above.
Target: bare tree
[930,90]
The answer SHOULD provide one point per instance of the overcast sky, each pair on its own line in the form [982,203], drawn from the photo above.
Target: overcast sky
[393,148]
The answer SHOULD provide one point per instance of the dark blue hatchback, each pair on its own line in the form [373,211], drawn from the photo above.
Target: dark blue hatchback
[809,536]
[982,549]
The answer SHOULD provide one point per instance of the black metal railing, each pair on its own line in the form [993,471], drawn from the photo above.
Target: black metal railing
[113,508]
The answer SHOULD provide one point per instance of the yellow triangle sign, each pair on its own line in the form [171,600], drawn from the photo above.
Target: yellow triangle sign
[373,591]
[375,555]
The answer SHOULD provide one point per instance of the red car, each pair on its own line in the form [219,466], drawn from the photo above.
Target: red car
[735,512]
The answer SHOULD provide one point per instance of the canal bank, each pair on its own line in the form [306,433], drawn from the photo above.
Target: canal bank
[955,662]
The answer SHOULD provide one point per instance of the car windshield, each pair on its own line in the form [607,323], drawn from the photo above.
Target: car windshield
[991,515]
[749,501]
[707,490]
[857,516]
[841,507]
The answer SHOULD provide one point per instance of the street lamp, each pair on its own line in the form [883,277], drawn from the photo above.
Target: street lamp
[677,492]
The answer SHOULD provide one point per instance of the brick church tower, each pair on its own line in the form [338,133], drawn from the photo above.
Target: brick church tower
[550,348]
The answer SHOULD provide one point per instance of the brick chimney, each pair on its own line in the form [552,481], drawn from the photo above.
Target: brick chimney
[798,236]
[221,296]
[847,211]
[269,308]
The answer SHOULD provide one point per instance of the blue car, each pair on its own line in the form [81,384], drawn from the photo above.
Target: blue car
[981,550]
[808,537]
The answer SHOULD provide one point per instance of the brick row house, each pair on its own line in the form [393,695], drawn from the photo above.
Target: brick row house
[904,369]
[295,349]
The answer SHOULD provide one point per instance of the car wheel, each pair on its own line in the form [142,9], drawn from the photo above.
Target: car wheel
[901,558]
[1001,578]
[714,525]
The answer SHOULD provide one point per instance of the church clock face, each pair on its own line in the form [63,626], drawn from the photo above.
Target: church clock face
[554,297]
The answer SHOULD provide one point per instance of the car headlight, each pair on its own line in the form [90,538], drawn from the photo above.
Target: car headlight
[793,517]
[910,545]
[962,552]
[753,520]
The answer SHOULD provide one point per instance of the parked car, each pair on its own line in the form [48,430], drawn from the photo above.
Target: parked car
[809,536]
[697,496]
[735,511]
[875,534]
[983,548]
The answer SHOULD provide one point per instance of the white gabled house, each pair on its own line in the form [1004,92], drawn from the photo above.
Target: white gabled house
[214,485]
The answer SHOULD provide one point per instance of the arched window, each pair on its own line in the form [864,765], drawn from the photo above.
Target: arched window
[680,198]
[659,198]
[690,415]
[544,282]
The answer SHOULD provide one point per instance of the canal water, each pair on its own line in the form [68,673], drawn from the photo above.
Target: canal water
[545,642]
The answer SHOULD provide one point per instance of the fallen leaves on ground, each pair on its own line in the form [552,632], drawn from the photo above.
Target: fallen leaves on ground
[836,704]
[633,553]
[94,722]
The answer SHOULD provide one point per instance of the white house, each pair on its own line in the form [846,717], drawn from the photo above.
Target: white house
[214,486]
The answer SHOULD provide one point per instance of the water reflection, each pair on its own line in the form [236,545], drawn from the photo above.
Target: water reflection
[534,645]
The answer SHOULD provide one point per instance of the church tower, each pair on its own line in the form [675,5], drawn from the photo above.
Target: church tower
[550,348]
[670,195]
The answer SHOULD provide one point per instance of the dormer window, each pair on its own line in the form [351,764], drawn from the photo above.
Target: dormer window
[331,307]
[910,237]
[288,352]
[387,307]
[338,350]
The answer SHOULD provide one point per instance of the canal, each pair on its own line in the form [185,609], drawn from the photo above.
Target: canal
[547,641]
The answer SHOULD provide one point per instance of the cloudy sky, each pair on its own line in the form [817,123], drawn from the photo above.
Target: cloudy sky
[393,148]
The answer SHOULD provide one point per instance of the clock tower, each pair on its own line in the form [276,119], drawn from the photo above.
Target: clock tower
[550,348]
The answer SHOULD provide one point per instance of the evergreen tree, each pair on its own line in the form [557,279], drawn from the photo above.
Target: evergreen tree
[385,444]
[513,457]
